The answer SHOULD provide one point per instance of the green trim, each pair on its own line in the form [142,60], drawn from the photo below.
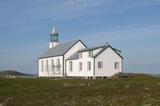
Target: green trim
[106,48]
[91,49]
[83,43]
[72,59]
[74,44]
[100,52]
[115,50]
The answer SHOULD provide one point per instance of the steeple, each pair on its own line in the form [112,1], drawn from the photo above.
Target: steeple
[54,31]
[54,35]
[53,38]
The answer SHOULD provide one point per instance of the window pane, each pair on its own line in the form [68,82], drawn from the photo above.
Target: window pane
[58,64]
[89,66]
[80,65]
[100,64]
[70,66]
[90,54]
[116,65]
[52,64]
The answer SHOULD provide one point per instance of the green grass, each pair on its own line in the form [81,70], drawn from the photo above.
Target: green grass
[141,90]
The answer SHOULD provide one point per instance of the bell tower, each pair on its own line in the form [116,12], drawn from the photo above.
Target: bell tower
[53,38]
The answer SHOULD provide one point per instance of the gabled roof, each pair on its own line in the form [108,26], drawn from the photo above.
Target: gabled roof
[90,49]
[59,50]
[114,49]
[76,55]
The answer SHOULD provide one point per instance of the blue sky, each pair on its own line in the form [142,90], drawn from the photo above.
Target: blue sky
[132,26]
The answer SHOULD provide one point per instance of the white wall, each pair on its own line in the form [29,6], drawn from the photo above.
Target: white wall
[53,44]
[50,72]
[109,57]
[78,46]
[84,72]
[96,51]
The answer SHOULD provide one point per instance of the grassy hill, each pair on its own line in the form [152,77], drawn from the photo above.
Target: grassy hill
[13,73]
[141,90]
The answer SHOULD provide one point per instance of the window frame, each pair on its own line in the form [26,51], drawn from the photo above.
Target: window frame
[90,53]
[116,65]
[70,66]
[80,55]
[89,66]
[100,64]
[80,66]
[52,65]
[47,65]
[58,64]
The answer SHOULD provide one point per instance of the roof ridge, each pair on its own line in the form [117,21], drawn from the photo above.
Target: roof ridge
[106,48]
[91,48]
[97,46]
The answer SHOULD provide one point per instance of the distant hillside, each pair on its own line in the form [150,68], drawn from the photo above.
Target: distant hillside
[156,75]
[13,73]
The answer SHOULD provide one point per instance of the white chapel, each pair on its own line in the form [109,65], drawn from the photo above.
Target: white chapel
[75,59]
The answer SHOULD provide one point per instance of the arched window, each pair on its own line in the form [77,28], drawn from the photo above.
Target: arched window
[47,65]
[58,64]
[52,62]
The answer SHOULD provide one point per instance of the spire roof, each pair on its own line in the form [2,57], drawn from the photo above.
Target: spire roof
[54,31]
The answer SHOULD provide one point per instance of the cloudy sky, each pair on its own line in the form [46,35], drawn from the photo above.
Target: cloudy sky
[132,26]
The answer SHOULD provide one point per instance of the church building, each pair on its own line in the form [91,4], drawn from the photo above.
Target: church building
[75,59]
